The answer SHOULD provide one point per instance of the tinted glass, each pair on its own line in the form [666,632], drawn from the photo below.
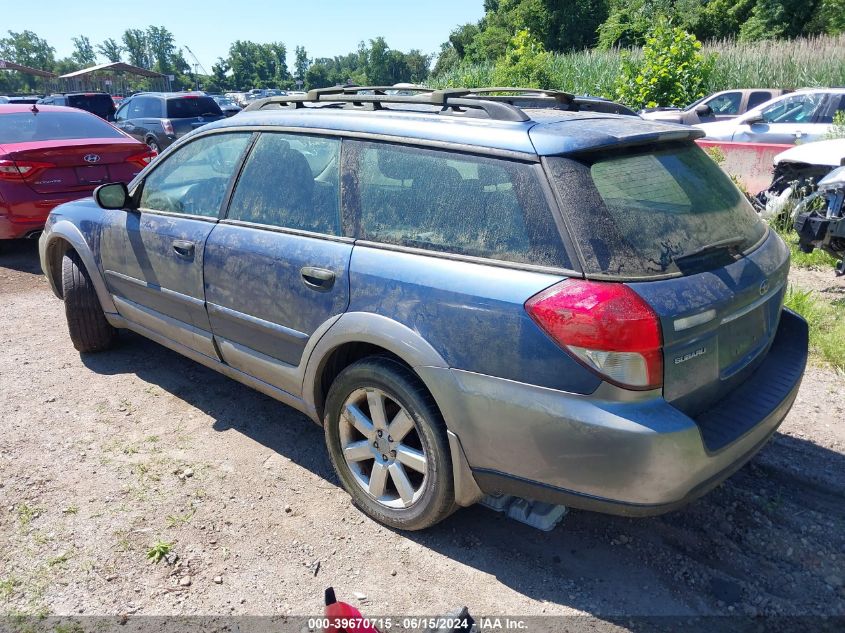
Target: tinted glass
[640,212]
[150,108]
[20,127]
[727,103]
[458,203]
[194,178]
[189,107]
[290,181]
[758,98]
[99,104]
[800,108]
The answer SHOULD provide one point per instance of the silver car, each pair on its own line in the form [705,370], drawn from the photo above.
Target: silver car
[804,115]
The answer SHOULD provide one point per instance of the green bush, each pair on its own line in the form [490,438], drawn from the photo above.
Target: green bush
[525,63]
[837,130]
[672,71]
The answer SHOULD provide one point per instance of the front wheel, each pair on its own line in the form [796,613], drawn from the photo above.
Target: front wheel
[86,323]
[387,442]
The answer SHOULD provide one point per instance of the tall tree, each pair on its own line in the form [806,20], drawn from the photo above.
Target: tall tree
[83,51]
[110,49]
[26,48]
[161,49]
[300,64]
[135,45]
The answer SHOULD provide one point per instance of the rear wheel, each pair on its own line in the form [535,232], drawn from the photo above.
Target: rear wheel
[387,442]
[153,145]
[86,322]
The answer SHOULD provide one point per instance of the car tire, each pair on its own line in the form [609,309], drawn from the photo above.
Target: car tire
[421,442]
[89,331]
[153,145]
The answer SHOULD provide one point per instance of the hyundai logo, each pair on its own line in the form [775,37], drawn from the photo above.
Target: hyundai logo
[764,287]
[91,158]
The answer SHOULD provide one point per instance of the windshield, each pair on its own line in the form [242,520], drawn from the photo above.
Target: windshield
[23,127]
[190,107]
[644,211]
[100,104]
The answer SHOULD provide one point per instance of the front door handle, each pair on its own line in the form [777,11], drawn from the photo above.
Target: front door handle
[318,279]
[184,248]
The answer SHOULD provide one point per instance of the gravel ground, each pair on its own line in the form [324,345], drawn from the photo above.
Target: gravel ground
[104,455]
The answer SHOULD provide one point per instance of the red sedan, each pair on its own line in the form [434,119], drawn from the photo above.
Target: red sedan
[50,155]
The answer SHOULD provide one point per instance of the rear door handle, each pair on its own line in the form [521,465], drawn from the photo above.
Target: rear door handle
[319,279]
[184,248]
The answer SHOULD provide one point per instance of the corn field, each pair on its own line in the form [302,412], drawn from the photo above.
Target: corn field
[816,61]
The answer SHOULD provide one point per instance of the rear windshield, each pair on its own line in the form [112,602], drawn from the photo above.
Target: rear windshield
[653,211]
[22,127]
[189,107]
[101,105]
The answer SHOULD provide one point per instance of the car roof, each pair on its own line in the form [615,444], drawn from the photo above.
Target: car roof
[552,131]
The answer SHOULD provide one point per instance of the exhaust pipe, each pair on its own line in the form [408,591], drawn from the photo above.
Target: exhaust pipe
[33,235]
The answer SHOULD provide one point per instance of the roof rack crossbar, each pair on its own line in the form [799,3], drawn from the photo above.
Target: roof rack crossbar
[558,95]
[449,99]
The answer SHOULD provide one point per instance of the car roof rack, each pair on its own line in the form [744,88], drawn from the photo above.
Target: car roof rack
[452,101]
[498,94]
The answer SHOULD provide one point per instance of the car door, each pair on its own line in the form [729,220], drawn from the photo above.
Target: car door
[153,257]
[128,115]
[276,268]
[786,121]
[723,106]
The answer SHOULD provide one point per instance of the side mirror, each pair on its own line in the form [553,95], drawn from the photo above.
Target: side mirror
[703,110]
[754,119]
[112,196]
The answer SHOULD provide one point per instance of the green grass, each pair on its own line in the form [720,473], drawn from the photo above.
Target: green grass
[827,324]
[158,551]
[815,61]
[817,259]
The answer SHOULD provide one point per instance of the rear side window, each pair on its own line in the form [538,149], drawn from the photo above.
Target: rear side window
[192,106]
[21,127]
[757,98]
[290,181]
[646,211]
[451,202]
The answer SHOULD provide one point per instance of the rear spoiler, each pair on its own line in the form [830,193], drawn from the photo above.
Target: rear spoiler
[611,134]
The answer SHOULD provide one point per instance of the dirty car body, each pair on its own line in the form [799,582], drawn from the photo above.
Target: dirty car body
[593,309]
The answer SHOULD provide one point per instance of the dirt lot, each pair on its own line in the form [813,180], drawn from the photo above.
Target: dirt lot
[104,455]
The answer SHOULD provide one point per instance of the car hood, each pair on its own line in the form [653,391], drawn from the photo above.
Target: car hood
[829,153]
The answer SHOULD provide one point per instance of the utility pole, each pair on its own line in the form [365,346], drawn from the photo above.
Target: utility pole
[196,65]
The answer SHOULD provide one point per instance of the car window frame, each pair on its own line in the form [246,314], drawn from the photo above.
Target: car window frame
[137,189]
[343,236]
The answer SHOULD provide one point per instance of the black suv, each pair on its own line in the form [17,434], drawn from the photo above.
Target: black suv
[159,118]
[98,103]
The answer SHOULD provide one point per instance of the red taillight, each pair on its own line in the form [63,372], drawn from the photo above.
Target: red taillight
[21,169]
[606,326]
[168,126]
[143,159]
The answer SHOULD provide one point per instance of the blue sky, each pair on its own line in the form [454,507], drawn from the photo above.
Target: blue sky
[325,27]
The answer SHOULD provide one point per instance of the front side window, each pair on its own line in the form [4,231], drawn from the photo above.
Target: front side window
[652,210]
[193,179]
[451,202]
[290,181]
[800,108]
[727,103]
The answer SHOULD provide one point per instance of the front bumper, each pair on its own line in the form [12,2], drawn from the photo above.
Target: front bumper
[614,451]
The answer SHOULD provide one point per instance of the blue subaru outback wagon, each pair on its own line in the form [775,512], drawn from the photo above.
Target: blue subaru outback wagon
[506,292]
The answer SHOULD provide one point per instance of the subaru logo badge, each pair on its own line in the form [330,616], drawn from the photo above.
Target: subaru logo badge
[92,158]
[764,287]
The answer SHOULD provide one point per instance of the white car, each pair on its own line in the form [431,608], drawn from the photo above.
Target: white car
[804,115]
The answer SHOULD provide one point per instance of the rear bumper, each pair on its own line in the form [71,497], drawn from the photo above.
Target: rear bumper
[600,452]
[20,217]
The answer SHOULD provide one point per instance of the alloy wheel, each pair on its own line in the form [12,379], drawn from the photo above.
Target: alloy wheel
[382,448]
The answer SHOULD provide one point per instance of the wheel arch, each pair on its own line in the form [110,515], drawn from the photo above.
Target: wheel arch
[357,335]
[64,236]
